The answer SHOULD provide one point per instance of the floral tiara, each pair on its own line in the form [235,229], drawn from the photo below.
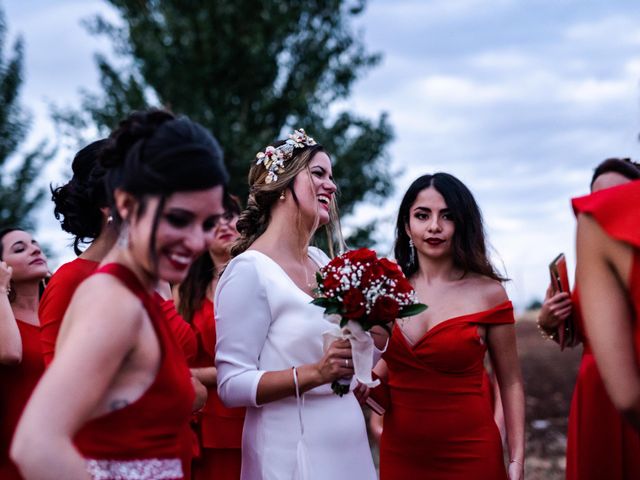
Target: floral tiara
[273,158]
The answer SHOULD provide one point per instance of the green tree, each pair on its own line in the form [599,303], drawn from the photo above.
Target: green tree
[18,171]
[249,71]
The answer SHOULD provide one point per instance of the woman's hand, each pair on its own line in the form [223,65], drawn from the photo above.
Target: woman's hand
[516,471]
[361,391]
[336,362]
[555,309]
[5,277]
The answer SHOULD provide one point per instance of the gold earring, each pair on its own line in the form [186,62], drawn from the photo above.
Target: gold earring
[282,197]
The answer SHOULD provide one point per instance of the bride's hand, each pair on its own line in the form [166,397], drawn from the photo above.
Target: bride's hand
[336,362]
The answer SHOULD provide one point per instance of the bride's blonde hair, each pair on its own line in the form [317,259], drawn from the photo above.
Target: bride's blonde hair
[255,218]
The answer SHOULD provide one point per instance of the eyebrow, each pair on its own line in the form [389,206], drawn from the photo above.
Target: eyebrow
[427,209]
[19,242]
[323,170]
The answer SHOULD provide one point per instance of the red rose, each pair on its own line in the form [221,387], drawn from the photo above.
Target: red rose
[403,285]
[391,269]
[362,255]
[331,282]
[385,310]
[371,273]
[354,302]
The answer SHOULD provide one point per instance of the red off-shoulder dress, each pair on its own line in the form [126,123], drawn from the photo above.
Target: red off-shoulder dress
[16,384]
[220,428]
[439,425]
[601,443]
[143,439]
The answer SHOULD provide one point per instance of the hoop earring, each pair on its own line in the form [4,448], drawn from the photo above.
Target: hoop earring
[412,253]
[123,236]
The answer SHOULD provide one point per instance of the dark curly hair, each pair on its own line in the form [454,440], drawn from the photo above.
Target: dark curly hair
[468,248]
[78,202]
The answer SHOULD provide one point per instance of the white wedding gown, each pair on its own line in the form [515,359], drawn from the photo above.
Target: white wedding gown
[265,322]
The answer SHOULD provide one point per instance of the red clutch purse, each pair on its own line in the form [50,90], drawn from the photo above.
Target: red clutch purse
[560,283]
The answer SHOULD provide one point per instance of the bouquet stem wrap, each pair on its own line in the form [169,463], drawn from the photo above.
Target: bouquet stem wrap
[361,349]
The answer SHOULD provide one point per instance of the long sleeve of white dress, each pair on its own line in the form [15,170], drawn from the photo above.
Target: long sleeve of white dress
[246,317]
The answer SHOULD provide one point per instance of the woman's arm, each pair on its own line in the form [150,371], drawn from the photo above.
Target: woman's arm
[91,348]
[10,340]
[208,376]
[501,340]
[603,270]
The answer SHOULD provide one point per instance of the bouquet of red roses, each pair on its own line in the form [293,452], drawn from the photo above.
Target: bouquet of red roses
[358,290]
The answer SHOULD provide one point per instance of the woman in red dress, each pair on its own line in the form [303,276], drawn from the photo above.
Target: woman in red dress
[596,430]
[439,424]
[219,427]
[83,206]
[28,268]
[608,272]
[131,390]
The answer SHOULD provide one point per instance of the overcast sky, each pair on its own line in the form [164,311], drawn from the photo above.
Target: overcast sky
[519,99]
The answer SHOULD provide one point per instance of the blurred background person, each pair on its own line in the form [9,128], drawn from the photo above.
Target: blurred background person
[23,255]
[219,428]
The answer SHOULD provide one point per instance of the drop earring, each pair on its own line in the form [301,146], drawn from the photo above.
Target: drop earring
[282,197]
[412,253]
[123,236]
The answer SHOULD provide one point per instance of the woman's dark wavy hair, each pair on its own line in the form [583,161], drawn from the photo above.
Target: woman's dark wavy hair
[154,153]
[78,202]
[193,289]
[468,249]
[623,166]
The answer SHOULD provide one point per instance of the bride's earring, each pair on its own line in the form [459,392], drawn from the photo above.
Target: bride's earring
[282,197]
[412,253]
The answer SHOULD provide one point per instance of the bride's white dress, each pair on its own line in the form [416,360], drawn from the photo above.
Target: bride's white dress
[265,322]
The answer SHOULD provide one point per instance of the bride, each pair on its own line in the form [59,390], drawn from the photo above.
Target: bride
[270,354]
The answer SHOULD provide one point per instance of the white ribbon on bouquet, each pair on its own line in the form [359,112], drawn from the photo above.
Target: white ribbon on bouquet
[362,347]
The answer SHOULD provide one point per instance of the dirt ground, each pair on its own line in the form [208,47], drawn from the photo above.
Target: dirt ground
[549,376]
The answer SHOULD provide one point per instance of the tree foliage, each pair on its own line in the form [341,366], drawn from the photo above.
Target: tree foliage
[18,171]
[249,71]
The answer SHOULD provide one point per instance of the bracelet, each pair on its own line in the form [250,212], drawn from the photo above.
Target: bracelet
[516,461]
[295,381]
[545,334]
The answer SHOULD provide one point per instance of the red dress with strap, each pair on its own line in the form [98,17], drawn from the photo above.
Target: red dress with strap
[440,425]
[600,442]
[220,427]
[56,299]
[16,384]
[142,440]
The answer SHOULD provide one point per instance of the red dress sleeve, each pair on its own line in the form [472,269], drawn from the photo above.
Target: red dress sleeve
[182,331]
[616,209]
[56,299]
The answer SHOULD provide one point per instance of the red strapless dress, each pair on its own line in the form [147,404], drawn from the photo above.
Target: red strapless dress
[440,425]
[56,299]
[220,427]
[143,439]
[600,442]
[16,384]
